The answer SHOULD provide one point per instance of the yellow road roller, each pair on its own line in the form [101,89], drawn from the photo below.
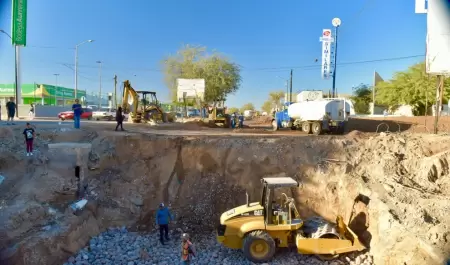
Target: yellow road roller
[259,228]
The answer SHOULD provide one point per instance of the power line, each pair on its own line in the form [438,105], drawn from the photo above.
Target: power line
[49,47]
[87,78]
[114,68]
[244,68]
[356,16]
[314,66]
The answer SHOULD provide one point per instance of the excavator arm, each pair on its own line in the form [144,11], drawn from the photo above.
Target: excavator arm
[128,91]
[143,113]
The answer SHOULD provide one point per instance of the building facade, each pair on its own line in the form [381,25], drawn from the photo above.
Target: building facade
[41,94]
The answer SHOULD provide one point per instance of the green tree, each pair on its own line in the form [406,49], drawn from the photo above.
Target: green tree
[275,97]
[222,77]
[267,106]
[232,110]
[362,96]
[411,87]
[247,106]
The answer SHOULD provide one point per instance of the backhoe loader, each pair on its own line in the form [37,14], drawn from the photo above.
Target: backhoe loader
[149,109]
[259,228]
[217,114]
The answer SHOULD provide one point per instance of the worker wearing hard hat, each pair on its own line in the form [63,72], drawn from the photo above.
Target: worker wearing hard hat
[187,249]
[163,217]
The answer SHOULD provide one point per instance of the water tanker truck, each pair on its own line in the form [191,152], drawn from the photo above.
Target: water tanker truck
[316,117]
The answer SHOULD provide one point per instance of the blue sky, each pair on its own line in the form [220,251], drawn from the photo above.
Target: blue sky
[266,37]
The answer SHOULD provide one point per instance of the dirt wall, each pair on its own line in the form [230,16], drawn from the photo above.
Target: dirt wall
[130,174]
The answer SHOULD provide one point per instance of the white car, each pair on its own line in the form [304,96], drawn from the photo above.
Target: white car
[104,114]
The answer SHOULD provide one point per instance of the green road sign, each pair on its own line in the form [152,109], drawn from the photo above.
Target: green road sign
[19,22]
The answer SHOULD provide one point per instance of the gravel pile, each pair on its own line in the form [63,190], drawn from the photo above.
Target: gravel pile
[117,246]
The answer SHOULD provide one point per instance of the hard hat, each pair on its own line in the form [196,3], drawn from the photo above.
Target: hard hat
[185,236]
[161,204]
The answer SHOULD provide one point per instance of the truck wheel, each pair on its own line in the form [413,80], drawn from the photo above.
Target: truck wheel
[306,127]
[274,125]
[316,128]
[258,246]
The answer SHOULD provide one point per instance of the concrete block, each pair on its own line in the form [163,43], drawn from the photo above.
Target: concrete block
[70,145]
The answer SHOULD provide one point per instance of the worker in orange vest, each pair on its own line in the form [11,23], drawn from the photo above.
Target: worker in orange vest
[187,249]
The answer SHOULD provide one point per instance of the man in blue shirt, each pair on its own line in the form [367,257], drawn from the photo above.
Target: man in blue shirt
[77,110]
[163,216]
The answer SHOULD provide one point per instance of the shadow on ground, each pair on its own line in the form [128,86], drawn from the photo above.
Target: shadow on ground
[377,125]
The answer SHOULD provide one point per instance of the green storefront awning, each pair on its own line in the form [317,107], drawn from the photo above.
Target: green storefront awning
[40,90]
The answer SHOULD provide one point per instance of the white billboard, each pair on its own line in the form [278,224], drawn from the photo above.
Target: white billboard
[309,95]
[421,6]
[438,37]
[190,88]
[326,53]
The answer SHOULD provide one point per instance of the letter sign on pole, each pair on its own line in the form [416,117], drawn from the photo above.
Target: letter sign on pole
[19,22]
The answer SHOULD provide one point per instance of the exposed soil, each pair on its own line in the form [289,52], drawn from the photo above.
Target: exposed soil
[128,174]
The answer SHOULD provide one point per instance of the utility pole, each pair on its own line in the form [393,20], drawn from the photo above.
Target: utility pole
[56,88]
[115,91]
[16,73]
[100,85]
[336,23]
[287,93]
[290,90]
[439,95]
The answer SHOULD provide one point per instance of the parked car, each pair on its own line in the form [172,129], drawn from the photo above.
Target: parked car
[104,114]
[68,115]
[92,107]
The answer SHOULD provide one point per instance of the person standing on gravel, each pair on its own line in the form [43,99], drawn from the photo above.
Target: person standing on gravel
[187,249]
[163,217]
[119,118]
[29,136]
[76,107]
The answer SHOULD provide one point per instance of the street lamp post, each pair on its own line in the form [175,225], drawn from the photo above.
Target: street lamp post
[100,85]
[56,88]
[16,79]
[76,64]
[336,23]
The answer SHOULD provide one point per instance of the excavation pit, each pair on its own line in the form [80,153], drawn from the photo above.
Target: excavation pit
[199,177]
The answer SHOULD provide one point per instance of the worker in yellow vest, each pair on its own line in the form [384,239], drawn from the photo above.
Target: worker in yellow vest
[187,249]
